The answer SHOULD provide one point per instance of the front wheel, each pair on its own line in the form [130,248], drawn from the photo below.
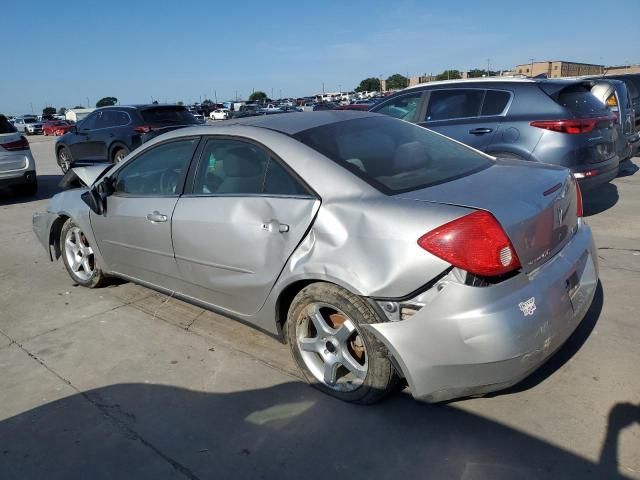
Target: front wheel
[64,159]
[333,350]
[78,257]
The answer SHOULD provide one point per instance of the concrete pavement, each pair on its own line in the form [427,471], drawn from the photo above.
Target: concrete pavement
[123,382]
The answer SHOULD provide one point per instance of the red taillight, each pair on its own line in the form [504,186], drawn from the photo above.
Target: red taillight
[21,144]
[579,210]
[476,243]
[143,129]
[574,126]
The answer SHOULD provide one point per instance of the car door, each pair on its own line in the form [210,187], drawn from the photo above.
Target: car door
[79,144]
[233,233]
[101,136]
[460,113]
[134,235]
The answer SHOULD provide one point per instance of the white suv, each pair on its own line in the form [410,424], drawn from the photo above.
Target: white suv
[17,167]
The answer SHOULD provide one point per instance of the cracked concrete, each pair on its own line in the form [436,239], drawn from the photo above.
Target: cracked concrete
[123,382]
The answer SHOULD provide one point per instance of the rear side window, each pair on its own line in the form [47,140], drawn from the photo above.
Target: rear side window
[579,100]
[5,126]
[392,156]
[404,107]
[495,102]
[168,115]
[455,103]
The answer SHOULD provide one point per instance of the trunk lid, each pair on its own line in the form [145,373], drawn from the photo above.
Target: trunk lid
[536,205]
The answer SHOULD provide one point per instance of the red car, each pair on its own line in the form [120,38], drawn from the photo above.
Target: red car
[56,127]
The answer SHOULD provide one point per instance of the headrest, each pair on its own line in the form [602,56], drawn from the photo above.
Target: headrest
[410,156]
[242,162]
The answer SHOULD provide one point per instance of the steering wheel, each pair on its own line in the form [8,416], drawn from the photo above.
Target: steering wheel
[169,181]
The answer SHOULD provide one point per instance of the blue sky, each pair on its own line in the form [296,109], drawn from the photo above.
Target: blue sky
[62,53]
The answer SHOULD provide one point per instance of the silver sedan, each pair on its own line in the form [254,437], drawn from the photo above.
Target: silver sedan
[382,252]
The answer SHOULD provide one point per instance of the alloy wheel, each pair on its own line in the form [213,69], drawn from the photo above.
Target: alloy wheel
[79,254]
[65,160]
[331,347]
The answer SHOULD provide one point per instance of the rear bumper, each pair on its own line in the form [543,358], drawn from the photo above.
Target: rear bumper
[473,340]
[17,169]
[593,175]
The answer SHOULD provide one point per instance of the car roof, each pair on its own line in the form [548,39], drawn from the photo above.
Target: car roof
[292,123]
[480,80]
[142,106]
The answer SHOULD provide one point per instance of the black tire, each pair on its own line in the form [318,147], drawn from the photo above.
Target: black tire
[96,278]
[29,189]
[381,377]
[119,154]
[64,158]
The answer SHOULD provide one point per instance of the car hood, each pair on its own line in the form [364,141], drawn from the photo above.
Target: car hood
[536,204]
[83,175]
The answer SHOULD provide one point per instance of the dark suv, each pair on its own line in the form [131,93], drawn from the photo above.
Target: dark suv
[551,121]
[110,133]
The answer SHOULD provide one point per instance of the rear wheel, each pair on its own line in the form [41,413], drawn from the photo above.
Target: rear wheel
[64,159]
[119,154]
[78,257]
[333,350]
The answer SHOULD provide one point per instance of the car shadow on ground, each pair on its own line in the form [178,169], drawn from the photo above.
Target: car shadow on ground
[47,187]
[573,344]
[288,431]
[600,199]
[627,168]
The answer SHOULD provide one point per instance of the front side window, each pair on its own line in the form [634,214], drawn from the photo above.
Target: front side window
[392,156]
[89,123]
[158,171]
[454,103]
[235,167]
[404,107]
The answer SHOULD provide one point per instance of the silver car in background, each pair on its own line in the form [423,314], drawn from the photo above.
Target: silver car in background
[378,249]
[17,166]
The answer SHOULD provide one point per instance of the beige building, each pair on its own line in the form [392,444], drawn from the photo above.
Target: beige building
[558,68]
[621,69]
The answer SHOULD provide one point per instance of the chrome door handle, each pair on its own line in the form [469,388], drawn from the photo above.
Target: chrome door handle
[273,224]
[480,131]
[156,217]
[283,228]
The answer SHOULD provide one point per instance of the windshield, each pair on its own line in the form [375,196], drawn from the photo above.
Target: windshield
[175,115]
[30,120]
[391,155]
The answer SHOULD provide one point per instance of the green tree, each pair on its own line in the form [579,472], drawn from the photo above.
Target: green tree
[180,102]
[48,111]
[397,82]
[62,111]
[78,106]
[257,96]
[106,102]
[477,73]
[449,75]
[370,84]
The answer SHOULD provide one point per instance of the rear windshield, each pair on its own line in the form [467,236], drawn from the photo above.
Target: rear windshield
[5,126]
[30,120]
[391,155]
[579,100]
[170,115]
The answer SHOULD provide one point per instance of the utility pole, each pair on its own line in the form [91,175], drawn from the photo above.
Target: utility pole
[531,71]
[215,95]
[88,102]
[488,66]
[322,88]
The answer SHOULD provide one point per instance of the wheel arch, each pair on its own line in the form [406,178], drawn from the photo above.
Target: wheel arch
[54,235]
[287,294]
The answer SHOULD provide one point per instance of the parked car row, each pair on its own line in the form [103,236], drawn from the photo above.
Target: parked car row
[586,125]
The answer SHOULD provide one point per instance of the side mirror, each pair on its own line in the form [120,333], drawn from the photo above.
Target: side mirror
[73,129]
[95,201]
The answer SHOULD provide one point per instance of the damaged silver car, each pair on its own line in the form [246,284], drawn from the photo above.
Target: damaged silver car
[380,251]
